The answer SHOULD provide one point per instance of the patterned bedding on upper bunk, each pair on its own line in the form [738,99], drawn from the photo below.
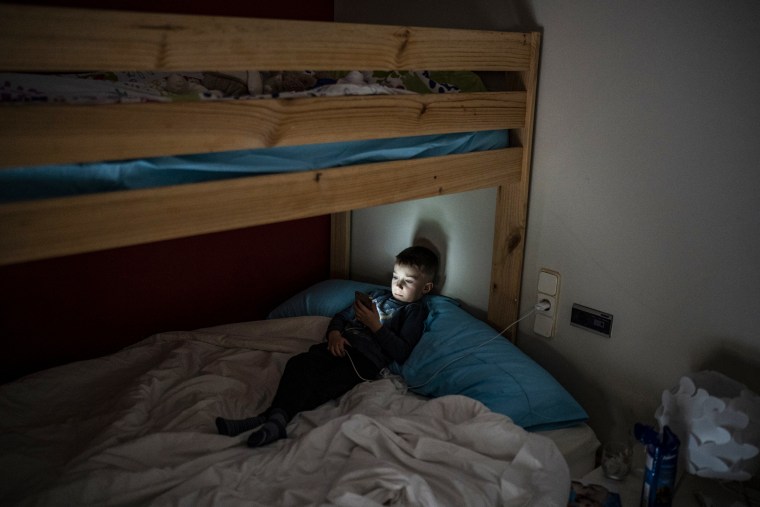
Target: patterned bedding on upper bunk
[61,180]
[148,86]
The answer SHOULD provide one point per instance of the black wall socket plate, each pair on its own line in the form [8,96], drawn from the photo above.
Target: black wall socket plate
[591,320]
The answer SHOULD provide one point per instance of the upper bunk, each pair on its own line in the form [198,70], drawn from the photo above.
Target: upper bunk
[53,40]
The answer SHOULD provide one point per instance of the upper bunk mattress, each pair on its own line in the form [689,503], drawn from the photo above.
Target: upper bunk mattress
[27,183]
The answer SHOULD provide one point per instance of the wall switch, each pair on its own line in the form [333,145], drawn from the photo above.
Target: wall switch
[548,289]
[548,282]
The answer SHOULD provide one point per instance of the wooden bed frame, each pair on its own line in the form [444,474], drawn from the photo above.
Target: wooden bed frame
[60,39]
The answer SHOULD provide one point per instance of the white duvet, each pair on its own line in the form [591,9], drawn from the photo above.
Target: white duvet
[137,428]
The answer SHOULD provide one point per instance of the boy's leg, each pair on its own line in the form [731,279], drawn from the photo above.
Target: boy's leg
[315,377]
[309,380]
[338,381]
[294,386]
[273,429]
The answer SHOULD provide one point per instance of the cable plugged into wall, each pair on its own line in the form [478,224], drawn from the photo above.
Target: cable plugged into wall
[547,296]
[499,334]
[399,381]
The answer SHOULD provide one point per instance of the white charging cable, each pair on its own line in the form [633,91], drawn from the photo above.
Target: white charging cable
[354,367]
[542,306]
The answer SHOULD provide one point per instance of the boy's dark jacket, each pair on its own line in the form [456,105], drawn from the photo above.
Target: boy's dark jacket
[403,324]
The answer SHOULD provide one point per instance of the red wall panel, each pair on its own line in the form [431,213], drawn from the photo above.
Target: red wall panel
[83,306]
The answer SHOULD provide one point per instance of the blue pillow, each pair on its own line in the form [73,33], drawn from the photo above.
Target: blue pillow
[459,354]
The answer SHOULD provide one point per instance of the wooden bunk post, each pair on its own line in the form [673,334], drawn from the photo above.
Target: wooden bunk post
[512,208]
[340,244]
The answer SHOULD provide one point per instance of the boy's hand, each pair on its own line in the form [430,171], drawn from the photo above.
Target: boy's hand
[336,344]
[368,316]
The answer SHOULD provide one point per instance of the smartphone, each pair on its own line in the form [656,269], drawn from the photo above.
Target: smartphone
[363,299]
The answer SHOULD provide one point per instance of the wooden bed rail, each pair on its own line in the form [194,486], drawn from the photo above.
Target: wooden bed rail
[54,227]
[56,39]
[45,134]
[45,39]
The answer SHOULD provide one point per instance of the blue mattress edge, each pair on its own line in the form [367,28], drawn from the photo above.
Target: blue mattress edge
[29,183]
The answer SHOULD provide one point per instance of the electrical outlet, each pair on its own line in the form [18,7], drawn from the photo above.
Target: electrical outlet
[551,312]
[548,288]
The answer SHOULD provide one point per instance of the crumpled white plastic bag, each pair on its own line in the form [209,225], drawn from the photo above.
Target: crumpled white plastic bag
[717,420]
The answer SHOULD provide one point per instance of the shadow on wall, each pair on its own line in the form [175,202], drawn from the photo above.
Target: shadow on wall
[740,365]
[430,234]
[476,14]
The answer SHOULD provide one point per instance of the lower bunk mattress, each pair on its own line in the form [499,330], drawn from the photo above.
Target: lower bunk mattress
[137,428]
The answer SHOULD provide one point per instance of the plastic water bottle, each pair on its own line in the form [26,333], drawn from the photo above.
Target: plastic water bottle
[661,465]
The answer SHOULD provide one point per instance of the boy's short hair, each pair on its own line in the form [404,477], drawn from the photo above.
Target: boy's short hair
[421,258]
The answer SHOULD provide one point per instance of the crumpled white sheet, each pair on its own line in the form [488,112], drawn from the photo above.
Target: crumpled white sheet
[136,428]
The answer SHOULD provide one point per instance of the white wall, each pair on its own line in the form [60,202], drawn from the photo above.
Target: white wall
[646,186]
[455,225]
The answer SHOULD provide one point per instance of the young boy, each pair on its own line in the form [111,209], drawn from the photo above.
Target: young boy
[361,341]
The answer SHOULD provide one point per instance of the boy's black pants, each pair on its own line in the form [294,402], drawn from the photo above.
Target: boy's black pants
[314,377]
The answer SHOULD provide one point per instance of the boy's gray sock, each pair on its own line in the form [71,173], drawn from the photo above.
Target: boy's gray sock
[234,427]
[273,429]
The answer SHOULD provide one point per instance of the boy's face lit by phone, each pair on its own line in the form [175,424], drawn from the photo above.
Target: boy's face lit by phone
[409,283]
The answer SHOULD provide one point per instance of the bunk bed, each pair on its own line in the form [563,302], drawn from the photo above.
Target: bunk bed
[136,427]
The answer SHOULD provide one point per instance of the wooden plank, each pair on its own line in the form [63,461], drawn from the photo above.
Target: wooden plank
[44,134]
[506,274]
[54,39]
[340,245]
[54,227]
[511,216]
